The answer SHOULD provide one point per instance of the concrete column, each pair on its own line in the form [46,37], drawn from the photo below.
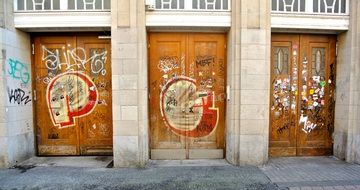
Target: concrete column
[347,113]
[248,76]
[129,80]
[16,118]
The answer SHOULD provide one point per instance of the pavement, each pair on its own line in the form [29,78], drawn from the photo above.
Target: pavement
[96,173]
[318,173]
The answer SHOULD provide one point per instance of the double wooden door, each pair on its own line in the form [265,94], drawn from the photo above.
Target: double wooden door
[302,94]
[72,93]
[187,95]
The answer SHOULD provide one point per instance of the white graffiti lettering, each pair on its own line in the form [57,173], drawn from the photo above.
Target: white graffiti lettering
[167,63]
[75,58]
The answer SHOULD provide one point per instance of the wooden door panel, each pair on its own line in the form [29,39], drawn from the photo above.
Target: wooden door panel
[51,139]
[67,93]
[186,81]
[96,128]
[283,95]
[206,58]
[311,88]
[317,110]
[167,53]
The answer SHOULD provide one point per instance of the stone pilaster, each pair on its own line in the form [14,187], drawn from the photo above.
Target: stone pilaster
[347,112]
[249,80]
[16,130]
[129,79]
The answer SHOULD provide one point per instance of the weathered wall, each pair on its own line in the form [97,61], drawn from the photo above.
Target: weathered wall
[342,94]
[16,118]
[129,79]
[347,113]
[353,67]
[247,119]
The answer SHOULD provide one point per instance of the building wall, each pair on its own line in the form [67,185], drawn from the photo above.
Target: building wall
[129,79]
[353,67]
[16,118]
[247,119]
[248,76]
[347,112]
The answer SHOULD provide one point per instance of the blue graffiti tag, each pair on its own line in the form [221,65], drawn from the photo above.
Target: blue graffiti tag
[19,70]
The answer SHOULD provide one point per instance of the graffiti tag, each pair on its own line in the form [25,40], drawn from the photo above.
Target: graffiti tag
[204,61]
[69,95]
[167,63]
[186,110]
[18,96]
[19,70]
[75,58]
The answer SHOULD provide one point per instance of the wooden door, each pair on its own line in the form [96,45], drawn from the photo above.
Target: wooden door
[302,95]
[187,95]
[72,82]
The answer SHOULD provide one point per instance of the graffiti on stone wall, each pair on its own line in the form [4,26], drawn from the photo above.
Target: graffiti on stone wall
[18,96]
[19,71]
[186,110]
[75,59]
[69,95]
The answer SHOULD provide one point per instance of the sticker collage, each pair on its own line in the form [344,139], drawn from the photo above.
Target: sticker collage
[309,92]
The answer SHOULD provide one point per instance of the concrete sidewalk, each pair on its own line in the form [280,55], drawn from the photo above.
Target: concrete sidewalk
[170,176]
[91,173]
[312,173]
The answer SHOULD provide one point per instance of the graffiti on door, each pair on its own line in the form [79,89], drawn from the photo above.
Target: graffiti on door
[75,59]
[186,110]
[73,93]
[69,95]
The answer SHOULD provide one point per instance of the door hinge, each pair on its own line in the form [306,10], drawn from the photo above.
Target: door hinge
[34,96]
[225,46]
[228,92]
[32,49]
[148,45]
[336,49]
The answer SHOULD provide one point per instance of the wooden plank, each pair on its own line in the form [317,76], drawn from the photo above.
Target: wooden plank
[206,153]
[168,154]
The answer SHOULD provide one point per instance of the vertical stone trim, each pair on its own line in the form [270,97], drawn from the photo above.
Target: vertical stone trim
[353,138]
[143,86]
[123,13]
[129,83]
[16,132]
[253,14]
[248,76]
[233,81]
[347,108]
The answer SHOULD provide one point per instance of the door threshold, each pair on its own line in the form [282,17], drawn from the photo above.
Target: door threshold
[69,161]
[193,162]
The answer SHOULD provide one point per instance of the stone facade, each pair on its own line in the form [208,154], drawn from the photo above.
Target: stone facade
[16,118]
[129,67]
[247,120]
[347,113]
[248,77]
